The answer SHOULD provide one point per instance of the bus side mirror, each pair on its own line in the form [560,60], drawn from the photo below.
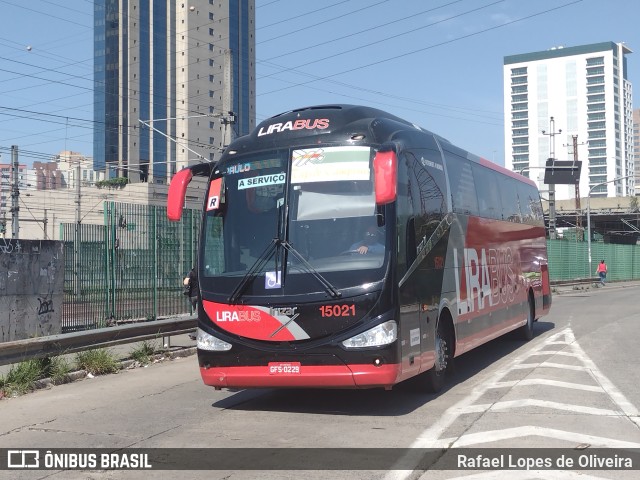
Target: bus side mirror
[385,177]
[177,192]
[178,188]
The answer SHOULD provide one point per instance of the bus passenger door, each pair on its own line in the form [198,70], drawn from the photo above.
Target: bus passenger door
[411,331]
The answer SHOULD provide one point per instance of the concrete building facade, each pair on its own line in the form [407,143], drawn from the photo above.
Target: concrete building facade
[62,171]
[173,83]
[569,92]
[43,212]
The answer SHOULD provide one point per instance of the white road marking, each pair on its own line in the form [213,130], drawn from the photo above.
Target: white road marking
[532,402]
[431,437]
[551,365]
[556,353]
[548,383]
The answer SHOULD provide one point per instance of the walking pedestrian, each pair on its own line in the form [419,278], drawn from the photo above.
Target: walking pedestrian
[602,272]
[191,287]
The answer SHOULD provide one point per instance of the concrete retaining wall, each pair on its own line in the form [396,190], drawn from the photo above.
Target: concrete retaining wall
[31,288]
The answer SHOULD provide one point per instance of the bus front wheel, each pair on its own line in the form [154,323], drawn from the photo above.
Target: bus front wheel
[435,378]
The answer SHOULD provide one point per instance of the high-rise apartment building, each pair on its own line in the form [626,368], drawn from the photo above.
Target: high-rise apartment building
[586,91]
[174,82]
[636,147]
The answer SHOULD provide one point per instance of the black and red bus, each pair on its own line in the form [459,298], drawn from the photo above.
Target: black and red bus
[342,246]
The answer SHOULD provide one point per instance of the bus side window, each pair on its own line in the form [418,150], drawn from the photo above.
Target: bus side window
[488,190]
[427,187]
[461,182]
[510,201]
[529,203]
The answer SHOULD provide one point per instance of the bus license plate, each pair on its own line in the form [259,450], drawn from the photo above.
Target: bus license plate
[286,368]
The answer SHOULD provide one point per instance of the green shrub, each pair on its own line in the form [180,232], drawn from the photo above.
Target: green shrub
[59,370]
[21,378]
[118,182]
[143,352]
[97,362]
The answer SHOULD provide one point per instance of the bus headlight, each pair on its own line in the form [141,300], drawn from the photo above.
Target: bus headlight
[383,334]
[206,341]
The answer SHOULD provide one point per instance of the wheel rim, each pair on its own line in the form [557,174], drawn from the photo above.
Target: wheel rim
[441,354]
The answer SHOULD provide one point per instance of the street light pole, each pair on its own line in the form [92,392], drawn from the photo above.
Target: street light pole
[524,169]
[552,187]
[15,193]
[589,214]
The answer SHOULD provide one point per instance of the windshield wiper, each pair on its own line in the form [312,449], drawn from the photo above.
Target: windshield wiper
[253,271]
[264,258]
[331,290]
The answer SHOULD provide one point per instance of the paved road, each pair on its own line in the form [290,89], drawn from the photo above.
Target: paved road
[575,384]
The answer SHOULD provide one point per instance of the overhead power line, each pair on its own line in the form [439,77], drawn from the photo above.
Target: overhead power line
[413,52]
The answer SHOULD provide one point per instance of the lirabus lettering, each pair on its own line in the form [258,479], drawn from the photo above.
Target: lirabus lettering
[485,278]
[300,124]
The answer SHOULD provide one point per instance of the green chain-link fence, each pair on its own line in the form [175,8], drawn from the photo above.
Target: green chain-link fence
[569,260]
[130,268]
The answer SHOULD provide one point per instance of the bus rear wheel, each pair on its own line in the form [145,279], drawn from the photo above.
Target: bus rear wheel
[525,332]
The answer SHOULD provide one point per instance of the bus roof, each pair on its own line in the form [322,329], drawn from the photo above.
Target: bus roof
[338,123]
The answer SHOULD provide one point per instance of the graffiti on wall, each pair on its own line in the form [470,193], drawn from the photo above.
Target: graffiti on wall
[31,288]
[10,246]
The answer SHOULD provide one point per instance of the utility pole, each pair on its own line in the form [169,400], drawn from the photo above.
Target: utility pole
[229,119]
[78,194]
[578,215]
[576,183]
[552,187]
[76,237]
[226,95]
[15,193]
[45,225]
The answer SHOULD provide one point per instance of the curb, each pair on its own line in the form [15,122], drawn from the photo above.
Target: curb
[125,364]
[576,288]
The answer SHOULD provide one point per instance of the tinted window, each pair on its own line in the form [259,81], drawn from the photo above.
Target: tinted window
[427,189]
[511,205]
[488,190]
[529,198]
[463,190]
[333,223]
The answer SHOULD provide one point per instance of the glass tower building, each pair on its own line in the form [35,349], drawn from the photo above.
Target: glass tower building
[174,82]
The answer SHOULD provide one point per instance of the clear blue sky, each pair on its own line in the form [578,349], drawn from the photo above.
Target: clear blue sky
[437,63]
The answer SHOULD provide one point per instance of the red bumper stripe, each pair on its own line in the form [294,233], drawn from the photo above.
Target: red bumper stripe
[339,376]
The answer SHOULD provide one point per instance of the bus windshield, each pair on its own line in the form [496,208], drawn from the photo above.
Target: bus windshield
[284,221]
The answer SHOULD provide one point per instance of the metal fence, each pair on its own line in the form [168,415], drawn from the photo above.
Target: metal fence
[130,268]
[569,260]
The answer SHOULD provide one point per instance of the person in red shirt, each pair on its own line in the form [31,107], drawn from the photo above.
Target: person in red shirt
[602,272]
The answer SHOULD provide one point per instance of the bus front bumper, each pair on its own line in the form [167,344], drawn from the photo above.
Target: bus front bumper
[309,376]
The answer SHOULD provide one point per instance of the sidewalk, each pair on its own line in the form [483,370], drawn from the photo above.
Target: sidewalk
[569,288]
